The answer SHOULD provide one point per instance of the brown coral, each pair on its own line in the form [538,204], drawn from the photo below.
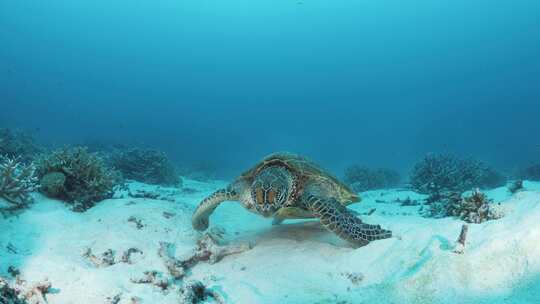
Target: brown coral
[85,180]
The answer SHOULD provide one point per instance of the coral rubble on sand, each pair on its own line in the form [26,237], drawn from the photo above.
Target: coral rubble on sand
[17,181]
[21,292]
[77,177]
[363,178]
[167,262]
[145,165]
[442,173]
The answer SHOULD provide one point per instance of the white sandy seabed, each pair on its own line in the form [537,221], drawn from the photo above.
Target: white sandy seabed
[297,262]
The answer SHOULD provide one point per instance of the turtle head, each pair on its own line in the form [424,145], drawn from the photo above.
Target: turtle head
[271,189]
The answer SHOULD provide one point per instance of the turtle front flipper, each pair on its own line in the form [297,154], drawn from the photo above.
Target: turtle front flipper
[336,218]
[200,217]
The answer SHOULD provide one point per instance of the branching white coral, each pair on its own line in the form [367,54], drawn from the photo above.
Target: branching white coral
[17,181]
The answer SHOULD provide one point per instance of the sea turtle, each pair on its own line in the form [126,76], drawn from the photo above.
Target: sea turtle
[288,186]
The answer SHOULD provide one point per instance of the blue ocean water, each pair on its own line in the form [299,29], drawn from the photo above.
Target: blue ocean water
[372,82]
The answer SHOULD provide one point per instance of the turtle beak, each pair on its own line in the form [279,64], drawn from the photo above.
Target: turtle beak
[355,198]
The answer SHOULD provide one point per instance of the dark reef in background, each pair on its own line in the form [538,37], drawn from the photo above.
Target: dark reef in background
[18,145]
[77,177]
[438,173]
[200,171]
[531,172]
[363,178]
[145,165]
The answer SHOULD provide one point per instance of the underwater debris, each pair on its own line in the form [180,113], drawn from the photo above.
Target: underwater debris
[460,243]
[195,292]
[108,258]
[438,173]
[18,145]
[355,277]
[17,181]
[476,208]
[176,268]
[363,178]
[114,299]
[153,277]
[515,186]
[105,259]
[126,256]
[147,166]
[208,250]
[77,177]
[138,222]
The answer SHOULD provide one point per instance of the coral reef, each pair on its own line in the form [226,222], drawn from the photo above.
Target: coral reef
[77,177]
[531,172]
[17,181]
[363,178]
[476,208]
[8,295]
[442,173]
[145,165]
[23,293]
[19,145]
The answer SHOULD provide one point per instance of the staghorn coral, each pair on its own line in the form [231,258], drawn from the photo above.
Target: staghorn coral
[77,177]
[438,173]
[19,145]
[17,181]
[145,165]
[475,208]
[363,178]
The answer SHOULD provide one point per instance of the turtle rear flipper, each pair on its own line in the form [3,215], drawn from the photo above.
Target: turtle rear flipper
[336,218]
[200,218]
